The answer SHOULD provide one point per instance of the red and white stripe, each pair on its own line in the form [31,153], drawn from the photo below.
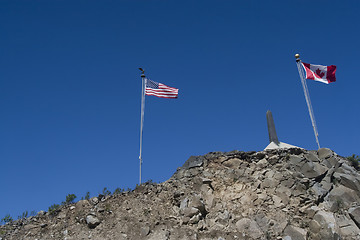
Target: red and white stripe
[162,91]
[324,74]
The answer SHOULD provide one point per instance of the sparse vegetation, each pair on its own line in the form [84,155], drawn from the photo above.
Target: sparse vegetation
[106,192]
[87,196]
[354,161]
[69,199]
[53,209]
[118,191]
[150,182]
[7,219]
[24,215]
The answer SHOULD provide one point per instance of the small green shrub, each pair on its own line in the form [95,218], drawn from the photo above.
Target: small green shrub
[87,196]
[354,161]
[118,191]
[106,192]
[23,215]
[69,199]
[7,219]
[53,209]
[150,182]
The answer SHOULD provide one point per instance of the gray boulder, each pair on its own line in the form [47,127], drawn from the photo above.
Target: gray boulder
[295,233]
[355,215]
[92,221]
[323,226]
[325,153]
[249,227]
[193,161]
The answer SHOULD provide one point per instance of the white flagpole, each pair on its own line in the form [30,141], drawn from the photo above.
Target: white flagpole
[307,97]
[142,118]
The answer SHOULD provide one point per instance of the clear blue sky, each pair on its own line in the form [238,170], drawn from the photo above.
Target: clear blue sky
[70,87]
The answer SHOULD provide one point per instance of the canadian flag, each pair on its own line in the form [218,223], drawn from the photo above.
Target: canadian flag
[325,74]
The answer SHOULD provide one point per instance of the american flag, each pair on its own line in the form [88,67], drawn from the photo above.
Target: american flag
[160,90]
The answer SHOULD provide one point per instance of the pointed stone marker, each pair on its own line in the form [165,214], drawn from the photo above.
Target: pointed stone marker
[274,141]
[271,128]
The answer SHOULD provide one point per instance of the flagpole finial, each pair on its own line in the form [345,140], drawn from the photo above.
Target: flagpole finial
[297,56]
[142,72]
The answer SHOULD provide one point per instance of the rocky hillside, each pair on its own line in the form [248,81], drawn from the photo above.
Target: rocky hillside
[279,194]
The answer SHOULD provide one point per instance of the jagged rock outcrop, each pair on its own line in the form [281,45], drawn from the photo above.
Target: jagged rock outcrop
[289,194]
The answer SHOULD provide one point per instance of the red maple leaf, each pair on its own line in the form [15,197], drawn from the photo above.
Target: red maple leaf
[319,73]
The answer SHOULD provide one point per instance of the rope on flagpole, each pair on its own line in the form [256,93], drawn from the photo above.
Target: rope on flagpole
[143,78]
[307,97]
